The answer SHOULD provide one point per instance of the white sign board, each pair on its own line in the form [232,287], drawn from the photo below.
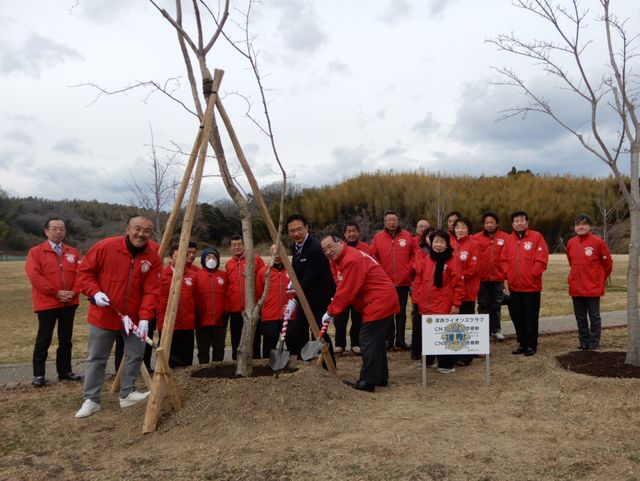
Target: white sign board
[455,334]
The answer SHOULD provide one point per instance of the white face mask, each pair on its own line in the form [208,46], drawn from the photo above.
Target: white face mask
[211,263]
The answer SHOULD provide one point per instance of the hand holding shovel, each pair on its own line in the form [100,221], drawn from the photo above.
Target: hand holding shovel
[278,357]
[312,348]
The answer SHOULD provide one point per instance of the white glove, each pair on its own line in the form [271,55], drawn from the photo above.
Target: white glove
[127,324]
[101,299]
[326,318]
[290,289]
[143,329]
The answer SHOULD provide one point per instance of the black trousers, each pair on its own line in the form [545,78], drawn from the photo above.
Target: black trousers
[490,298]
[589,335]
[270,332]
[397,328]
[298,335]
[181,348]
[374,354]
[524,309]
[467,307]
[341,321]
[46,324]
[210,341]
[416,333]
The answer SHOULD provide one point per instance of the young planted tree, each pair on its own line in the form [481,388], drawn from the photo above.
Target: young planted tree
[564,58]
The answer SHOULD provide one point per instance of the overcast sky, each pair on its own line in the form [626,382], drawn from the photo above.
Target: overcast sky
[354,85]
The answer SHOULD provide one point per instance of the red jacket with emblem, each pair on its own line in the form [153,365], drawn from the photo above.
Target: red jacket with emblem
[235,276]
[591,265]
[210,297]
[439,300]
[361,282]
[131,283]
[467,252]
[395,255]
[491,246]
[524,260]
[277,297]
[186,313]
[50,273]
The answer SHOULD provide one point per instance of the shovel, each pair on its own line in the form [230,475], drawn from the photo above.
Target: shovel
[312,348]
[278,357]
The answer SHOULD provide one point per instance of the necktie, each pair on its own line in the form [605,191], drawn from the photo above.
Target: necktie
[58,249]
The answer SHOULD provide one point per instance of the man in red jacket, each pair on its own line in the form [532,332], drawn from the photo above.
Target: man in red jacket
[591,265]
[491,240]
[524,260]
[235,268]
[122,277]
[51,268]
[352,238]
[393,248]
[361,282]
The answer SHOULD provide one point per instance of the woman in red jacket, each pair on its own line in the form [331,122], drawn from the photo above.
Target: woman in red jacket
[441,287]
[591,265]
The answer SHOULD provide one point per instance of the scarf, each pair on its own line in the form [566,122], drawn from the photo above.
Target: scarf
[440,259]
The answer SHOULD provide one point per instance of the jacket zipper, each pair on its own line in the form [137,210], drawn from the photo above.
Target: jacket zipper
[126,294]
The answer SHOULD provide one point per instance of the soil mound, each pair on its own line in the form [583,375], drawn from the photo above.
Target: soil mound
[598,364]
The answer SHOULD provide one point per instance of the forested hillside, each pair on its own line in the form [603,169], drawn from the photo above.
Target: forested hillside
[551,201]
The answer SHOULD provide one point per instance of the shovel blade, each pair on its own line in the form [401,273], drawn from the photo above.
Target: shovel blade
[310,350]
[278,359]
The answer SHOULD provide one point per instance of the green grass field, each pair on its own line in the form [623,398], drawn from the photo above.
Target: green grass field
[18,323]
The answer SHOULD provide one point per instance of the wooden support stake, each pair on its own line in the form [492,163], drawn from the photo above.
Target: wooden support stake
[155,398]
[115,385]
[264,211]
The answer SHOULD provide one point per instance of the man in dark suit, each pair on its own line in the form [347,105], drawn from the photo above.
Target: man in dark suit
[314,274]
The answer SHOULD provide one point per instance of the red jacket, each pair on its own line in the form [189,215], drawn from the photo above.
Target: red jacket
[524,260]
[186,313]
[361,246]
[50,273]
[131,283]
[489,264]
[439,300]
[235,276]
[467,253]
[395,255]
[210,297]
[361,282]
[591,265]
[277,297]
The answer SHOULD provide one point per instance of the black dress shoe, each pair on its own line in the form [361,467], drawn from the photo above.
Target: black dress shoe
[519,350]
[529,352]
[382,383]
[360,385]
[39,381]
[70,376]
[404,347]
[582,348]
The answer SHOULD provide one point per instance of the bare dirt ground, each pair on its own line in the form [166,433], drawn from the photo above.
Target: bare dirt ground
[536,421]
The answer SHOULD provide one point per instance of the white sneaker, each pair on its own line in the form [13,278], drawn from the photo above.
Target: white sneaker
[499,336]
[88,408]
[134,397]
[356,349]
[338,350]
[444,370]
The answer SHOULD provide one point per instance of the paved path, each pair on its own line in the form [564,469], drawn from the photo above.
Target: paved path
[12,375]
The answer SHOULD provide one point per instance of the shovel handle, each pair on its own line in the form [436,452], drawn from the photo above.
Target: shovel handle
[146,338]
[325,326]
[283,333]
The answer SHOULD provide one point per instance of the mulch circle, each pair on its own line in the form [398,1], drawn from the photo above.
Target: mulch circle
[228,371]
[598,364]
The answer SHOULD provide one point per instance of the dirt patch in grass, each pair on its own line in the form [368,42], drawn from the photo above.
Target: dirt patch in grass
[599,364]
[228,371]
[535,421]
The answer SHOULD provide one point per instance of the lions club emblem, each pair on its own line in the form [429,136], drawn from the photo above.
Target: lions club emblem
[145,266]
[588,251]
[500,242]
[464,255]
[402,242]
[220,281]
[188,281]
[455,336]
[71,259]
[528,245]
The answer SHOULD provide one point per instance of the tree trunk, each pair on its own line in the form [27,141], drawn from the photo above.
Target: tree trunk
[633,348]
[244,367]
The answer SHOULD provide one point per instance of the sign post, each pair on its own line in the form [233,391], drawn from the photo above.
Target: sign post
[455,334]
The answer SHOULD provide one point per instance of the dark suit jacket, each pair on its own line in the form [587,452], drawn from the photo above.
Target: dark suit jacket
[314,274]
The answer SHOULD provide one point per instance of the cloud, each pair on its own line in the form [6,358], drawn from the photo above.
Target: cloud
[394,151]
[300,27]
[70,146]
[396,11]
[437,7]
[104,11]
[426,125]
[20,136]
[35,55]
[340,68]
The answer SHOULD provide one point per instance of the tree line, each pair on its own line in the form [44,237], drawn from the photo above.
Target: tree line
[551,202]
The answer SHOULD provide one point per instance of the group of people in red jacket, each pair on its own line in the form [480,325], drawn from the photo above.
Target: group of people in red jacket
[443,272]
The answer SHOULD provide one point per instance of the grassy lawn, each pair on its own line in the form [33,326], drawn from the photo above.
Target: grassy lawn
[19,324]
